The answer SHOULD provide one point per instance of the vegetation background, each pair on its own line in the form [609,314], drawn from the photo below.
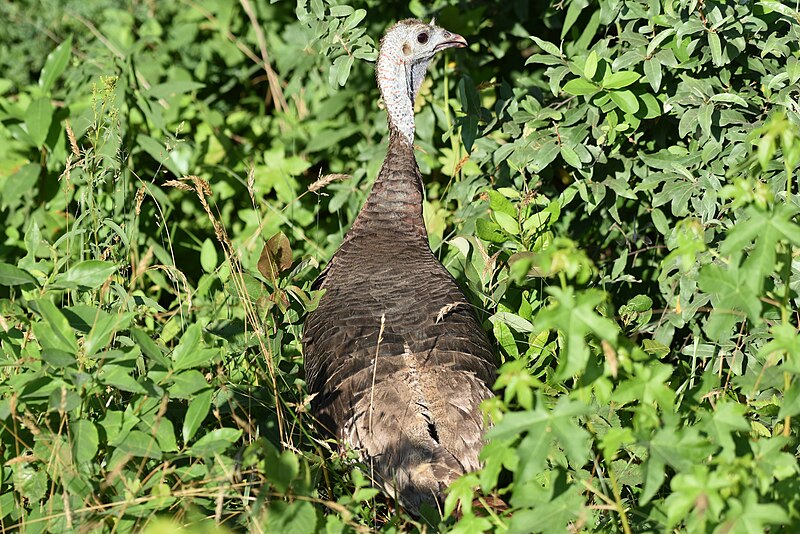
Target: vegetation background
[613,181]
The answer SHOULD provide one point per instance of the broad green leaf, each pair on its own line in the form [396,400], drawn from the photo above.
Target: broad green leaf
[137,443]
[716,48]
[29,482]
[554,516]
[58,358]
[280,468]
[548,47]
[149,347]
[187,383]
[38,118]
[653,74]
[103,329]
[120,378]
[160,154]
[498,202]
[14,276]
[575,316]
[89,274]
[208,256]
[55,64]
[790,406]
[725,420]
[188,353]
[298,517]
[63,335]
[504,336]
[569,155]
[514,321]
[173,88]
[590,67]
[733,295]
[625,100]
[507,222]
[196,414]
[215,442]
[580,86]
[489,231]
[618,80]
[20,184]
[84,441]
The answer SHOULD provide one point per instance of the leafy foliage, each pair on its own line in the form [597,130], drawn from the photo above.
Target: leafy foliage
[614,182]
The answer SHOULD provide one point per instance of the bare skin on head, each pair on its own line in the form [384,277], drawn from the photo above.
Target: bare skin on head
[394,353]
[406,51]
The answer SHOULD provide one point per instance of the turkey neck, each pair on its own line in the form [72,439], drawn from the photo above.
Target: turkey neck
[394,206]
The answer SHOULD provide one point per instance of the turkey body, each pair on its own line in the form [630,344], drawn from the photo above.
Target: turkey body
[394,353]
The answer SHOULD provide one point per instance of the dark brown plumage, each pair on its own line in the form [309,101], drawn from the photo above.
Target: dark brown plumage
[394,353]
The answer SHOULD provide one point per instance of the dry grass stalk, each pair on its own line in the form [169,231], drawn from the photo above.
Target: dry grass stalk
[327,180]
[73,142]
[138,200]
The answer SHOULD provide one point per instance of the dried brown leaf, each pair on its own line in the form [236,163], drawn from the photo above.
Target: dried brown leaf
[276,256]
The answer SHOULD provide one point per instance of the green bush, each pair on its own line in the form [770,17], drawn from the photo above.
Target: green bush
[614,182]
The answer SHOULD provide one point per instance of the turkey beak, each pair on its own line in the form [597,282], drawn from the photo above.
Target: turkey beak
[453,41]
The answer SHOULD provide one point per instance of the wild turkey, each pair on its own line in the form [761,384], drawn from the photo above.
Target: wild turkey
[394,352]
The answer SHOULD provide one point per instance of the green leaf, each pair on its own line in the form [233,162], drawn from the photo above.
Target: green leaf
[196,414]
[119,377]
[580,86]
[490,231]
[504,336]
[215,442]
[173,88]
[14,276]
[208,256]
[590,67]
[149,347]
[63,335]
[575,316]
[716,49]
[652,72]
[55,64]
[298,517]
[548,47]
[281,469]
[790,406]
[58,358]
[20,184]
[103,330]
[89,274]
[340,70]
[733,296]
[554,516]
[618,80]
[625,100]
[514,321]
[188,353]
[679,450]
[137,443]
[508,223]
[725,420]
[570,156]
[84,441]
[187,383]
[498,202]
[546,425]
[38,118]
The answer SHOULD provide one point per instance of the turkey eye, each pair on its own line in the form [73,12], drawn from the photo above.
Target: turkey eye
[422,38]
